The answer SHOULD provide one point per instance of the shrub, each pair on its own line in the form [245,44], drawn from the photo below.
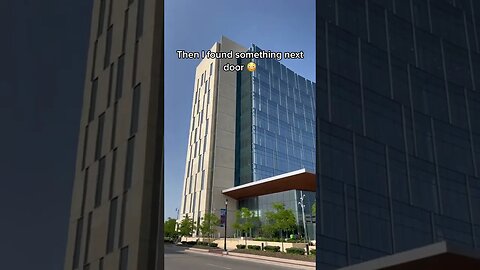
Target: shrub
[241,246]
[200,243]
[213,245]
[292,250]
[254,247]
[272,248]
[313,251]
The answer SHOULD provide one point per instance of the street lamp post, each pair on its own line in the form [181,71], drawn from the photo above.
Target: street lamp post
[225,236]
[302,196]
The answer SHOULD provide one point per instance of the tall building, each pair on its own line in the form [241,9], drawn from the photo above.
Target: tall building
[114,219]
[397,129]
[247,127]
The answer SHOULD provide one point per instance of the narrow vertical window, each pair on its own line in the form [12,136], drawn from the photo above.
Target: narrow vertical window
[87,238]
[114,125]
[122,220]
[129,163]
[78,243]
[110,84]
[108,48]
[205,143]
[206,127]
[112,174]
[101,18]
[112,217]
[190,186]
[100,263]
[211,68]
[119,86]
[124,258]
[125,31]
[94,60]
[84,151]
[140,13]
[110,8]
[199,163]
[203,180]
[135,63]
[84,191]
[99,143]
[93,100]
[135,110]
[100,177]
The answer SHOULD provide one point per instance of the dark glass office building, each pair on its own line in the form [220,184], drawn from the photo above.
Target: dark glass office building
[398,129]
[275,132]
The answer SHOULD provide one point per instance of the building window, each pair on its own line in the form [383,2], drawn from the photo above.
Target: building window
[129,163]
[87,238]
[206,128]
[141,11]
[78,243]
[135,63]
[122,220]
[100,263]
[84,192]
[211,68]
[190,186]
[119,86]
[110,85]
[199,163]
[205,144]
[85,142]
[112,217]
[110,8]
[135,110]
[93,100]
[184,204]
[100,177]
[101,18]
[194,201]
[99,143]
[125,31]
[112,174]
[201,81]
[94,60]
[114,126]
[108,48]
[203,180]
[124,258]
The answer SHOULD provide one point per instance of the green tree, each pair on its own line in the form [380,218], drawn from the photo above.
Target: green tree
[314,208]
[245,221]
[209,224]
[281,219]
[186,226]
[169,227]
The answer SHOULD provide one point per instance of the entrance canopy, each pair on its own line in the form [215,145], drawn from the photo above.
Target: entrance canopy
[295,180]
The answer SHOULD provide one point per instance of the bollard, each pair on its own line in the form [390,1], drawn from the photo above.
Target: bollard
[307,249]
[262,246]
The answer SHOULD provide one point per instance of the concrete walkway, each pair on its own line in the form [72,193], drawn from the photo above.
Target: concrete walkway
[257,258]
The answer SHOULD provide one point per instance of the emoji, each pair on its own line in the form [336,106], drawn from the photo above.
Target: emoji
[251,66]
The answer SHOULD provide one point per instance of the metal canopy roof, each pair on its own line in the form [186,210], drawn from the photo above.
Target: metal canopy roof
[295,180]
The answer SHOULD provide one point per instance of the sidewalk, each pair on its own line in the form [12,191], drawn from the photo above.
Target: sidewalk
[263,259]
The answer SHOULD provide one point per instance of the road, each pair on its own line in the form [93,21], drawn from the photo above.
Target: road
[177,258]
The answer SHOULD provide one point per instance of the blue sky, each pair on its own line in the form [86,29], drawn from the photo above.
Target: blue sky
[276,25]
